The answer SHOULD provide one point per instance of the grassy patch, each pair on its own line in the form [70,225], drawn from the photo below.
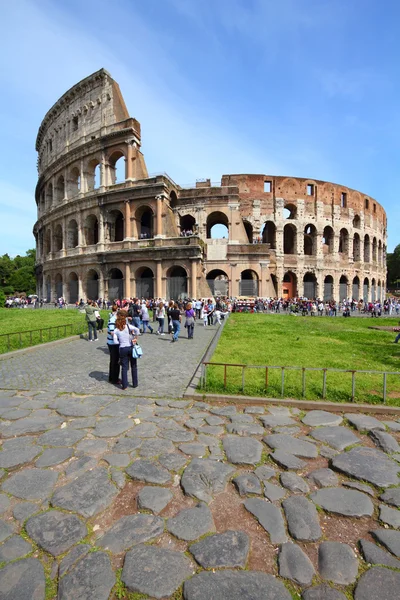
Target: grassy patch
[284,340]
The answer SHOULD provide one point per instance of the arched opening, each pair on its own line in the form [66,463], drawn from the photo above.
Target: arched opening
[356,248]
[289,239]
[366,290]
[373,290]
[367,249]
[217,226]
[72,234]
[188,224]
[343,286]
[48,289]
[145,220]
[58,238]
[380,252]
[310,286]
[91,230]
[115,285]
[218,283]
[49,196]
[357,222]
[74,182]
[92,285]
[249,231]
[269,234]
[73,287]
[47,242]
[144,283]
[248,285]
[374,250]
[274,281]
[117,167]
[42,202]
[327,240]
[93,175]
[328,288]
[59,286]
[310,239]
[176,283]
[173,199]
[344,242]
[115,224]
[290,211]
[289,285]
[356,289]
[60,189]
[379,292]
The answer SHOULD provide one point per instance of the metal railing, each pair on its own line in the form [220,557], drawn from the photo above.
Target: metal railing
[33,337]
[325,371]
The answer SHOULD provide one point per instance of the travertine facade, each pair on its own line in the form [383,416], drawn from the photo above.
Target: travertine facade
[106,229]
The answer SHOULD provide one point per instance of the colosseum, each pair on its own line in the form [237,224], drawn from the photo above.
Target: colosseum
[107,228]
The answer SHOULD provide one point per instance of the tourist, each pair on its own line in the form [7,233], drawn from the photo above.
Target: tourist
[90,311]
[113,347]
[144,313]
[198,306]
[160,318]
[210,312]
[123,336]
[397,330]
[176,321]
[190,318]
[169,310]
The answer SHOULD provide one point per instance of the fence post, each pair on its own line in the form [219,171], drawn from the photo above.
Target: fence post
[353,385]
[20,340]
[205,376]
[303,382]
[202,375]
[243,368]
[266,378]
[324,384]
[283,381]
[224,376]
[8,342]
[384,387]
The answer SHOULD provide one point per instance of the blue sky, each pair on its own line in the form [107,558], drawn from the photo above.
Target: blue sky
[307,88]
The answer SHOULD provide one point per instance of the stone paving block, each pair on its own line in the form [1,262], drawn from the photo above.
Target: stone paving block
[193,449]
[248,483]
[375,555]
[229,549]
[23,580]
[90,578]
[245,429]
[191,523]
[254,410]
[322,592]
[32,424]
[203,478]
[369,465]
[235,585]
[323,478]
[15,547]
[274,492]
[302,519]
[241,418]
[327,452]
[118,477]
[54,456]
[294,483]
[340,501]
[20,443]
[154,498]
[364,422]
[270,518]
[178,435]
[117,460]
[23,510]
[295,565]
[6,530]
[148,471]
[92,447]
[378,584]
[87,495]
[126,444]
[388,538]
[242,450]
[78,467]
[265,473]
[4,503]
[130,531]
[291,445]
[173,461]
[391,496]
[390,516]
[111,427]
[385,441]
[335,436]
[152,447]
[61,437]
[276,420]
[361,487]
[393,425]
[321,418]
[143,430]
[55,532]
[31,484]
[210,430]
[157,572]
[82,423]
[337,562]
[15,413]
[225,411]
[214,420]
[76,553]
[288,461]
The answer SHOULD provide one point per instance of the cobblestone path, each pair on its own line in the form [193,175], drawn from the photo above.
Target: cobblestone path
[103,496]
[82,367]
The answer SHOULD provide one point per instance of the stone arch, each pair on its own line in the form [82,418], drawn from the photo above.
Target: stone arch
[58,281]
[366,289]
[269,234]
[248,285]
[115,284]
[115,224]
[187,223]
[91,230]
[357,222]
[356,248]
[58,238]
[343,288]
[367,249]
[116,164]
[173,199]
[374,250]
[289,239]
[290,211]
[310,240]
[218,282]
[310,286]
[74,182]
[249,231]
[356,288]
[93,174]
[379,291]
[344,242]
[49,196]
[145,222]
[217,225]
[48,288]
[177,283]
[92,284]
[289,285]
[380,252]
[328,237]
[47,241]
[373,290]
[328,288]
[73,288]
[60,189]
[144,278]
[72,234]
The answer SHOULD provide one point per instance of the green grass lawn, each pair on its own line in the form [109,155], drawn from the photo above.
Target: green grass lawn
[285,340]
[24,321]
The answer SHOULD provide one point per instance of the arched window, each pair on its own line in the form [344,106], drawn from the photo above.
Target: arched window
[373,290]
[289,285]
[59,285]
[366,289]
[269,234]
[290,211]
[176,283]
[344,242]
[60,189]
[92,285]
[58,238]
[357,222]
[93,175]
[356,288]
[49,196]
[173,199]
[367,249]
[356,248]
[72,234]
[144,283]
[73,288]
[218,283]
[117,167]
[249,231]
[146,220]
[74,182]
[48,288]
[47,242]
[328,288]
[91,230]
[115,223]
[188,225]
[248,285]
[289,239]
[374,250]
[115,285]
[310,239]
[327,240]
[217,226]
[310,286]
[380,252]
[343,285]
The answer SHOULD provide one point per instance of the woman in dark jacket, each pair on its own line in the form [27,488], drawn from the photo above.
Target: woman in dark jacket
[189,323]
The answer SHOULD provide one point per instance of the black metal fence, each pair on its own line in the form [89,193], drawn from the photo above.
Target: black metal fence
[27,338]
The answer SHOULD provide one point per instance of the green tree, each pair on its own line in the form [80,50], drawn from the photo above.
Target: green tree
[393,266]
[18,274]
[2,298]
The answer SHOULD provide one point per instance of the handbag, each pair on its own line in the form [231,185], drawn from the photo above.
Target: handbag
[137,351]
[189,321]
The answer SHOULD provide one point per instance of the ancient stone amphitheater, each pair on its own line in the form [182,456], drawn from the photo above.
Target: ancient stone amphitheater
[106,228]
